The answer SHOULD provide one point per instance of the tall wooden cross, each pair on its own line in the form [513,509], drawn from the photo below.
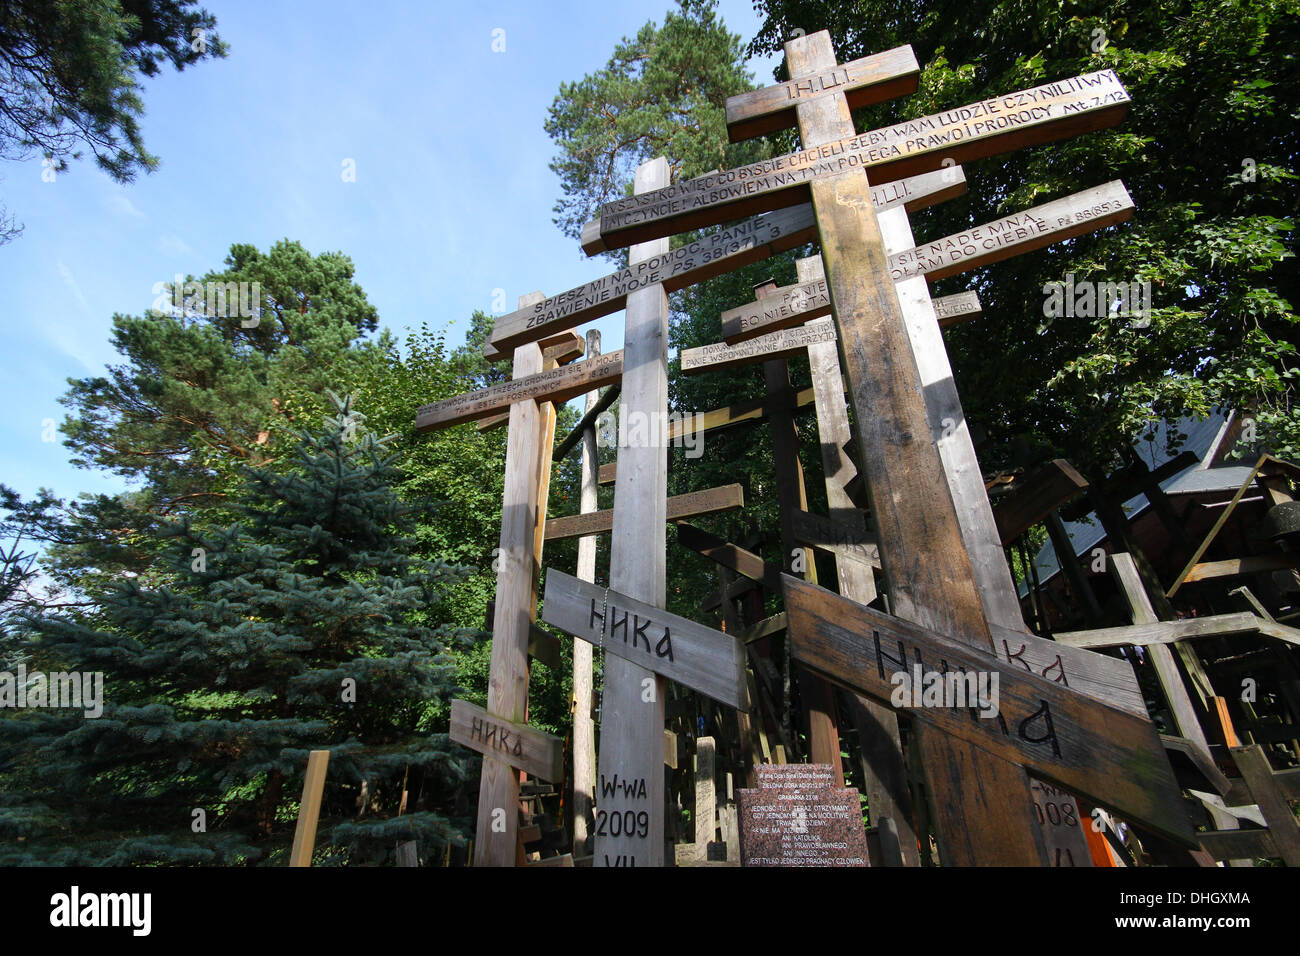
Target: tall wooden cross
[927,563]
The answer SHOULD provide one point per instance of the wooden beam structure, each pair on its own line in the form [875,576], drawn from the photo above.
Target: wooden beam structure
[1113,757]
[632,705]
[871,79]
[551,385]
[496,840]
[1035,497]
[525,748]
[709,662]
[692,504]
[999,124]
[1013,235]
[313,789]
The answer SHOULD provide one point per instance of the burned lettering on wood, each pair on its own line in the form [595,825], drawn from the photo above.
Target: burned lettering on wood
[1041,114]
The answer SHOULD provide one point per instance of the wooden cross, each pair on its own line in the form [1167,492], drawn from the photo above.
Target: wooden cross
[632,703]
[905,472]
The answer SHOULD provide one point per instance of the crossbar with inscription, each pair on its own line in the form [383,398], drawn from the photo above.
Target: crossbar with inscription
[871,79]
[782,344]
[524,748]
[707,661]
[1042,114]
[554,385]
[972,248]
[1111,756]
[706,257]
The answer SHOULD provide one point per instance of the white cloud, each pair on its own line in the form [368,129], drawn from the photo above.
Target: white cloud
[118,203]
[174,246]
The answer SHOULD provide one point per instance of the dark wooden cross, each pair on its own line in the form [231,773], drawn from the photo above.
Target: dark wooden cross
[912,500]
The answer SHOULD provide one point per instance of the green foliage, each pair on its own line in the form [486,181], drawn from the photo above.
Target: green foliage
[663,92]
[199,395]
[69,76]
[220,679]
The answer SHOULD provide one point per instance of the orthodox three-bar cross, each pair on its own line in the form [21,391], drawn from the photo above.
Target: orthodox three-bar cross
[982,799]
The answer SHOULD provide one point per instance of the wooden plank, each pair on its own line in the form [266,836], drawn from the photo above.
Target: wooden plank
[729,555]
[1239,844]
[552,385]
[516,603]
[1235,567]
[1073,215]
[783,344]
[1044,491]
[764,628]
[958,307]
[707,661]
[895,457]
[708,256]
[493,421]
[1110,756]
[1042,114]
[694,503]
[313,788]
[871,79]
[584,728]
[1013,235]
[842,540]
[542,644]
[607,473]
[706,797]
[632,723]
[563,352]
[670,743]
[1282,825]
[525,748]
[594,407]
[564,859]
[1163,632]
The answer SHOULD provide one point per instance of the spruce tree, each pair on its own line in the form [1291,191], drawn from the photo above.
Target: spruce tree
[304,625]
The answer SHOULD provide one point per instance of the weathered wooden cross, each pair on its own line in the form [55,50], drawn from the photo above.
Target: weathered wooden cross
[938,587]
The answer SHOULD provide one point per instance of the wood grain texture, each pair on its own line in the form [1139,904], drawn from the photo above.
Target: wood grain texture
[584,728]
[1013,235]
[691,504]
[709,256]
[782,344]
[1035,496]
[958,307]
[872,79]
[768,192]
[707,661]
[1110,756]
[632,721]
[729,555]
[313,788]
[516,600]
[1042,114]
[1163,632]
[525,748]
[550,385]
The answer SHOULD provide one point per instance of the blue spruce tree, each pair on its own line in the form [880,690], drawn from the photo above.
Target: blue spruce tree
[305,625]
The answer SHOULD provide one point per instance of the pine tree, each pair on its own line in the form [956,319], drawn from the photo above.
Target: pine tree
[304,625]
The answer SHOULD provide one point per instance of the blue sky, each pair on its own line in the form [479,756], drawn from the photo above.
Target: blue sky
[452,197]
